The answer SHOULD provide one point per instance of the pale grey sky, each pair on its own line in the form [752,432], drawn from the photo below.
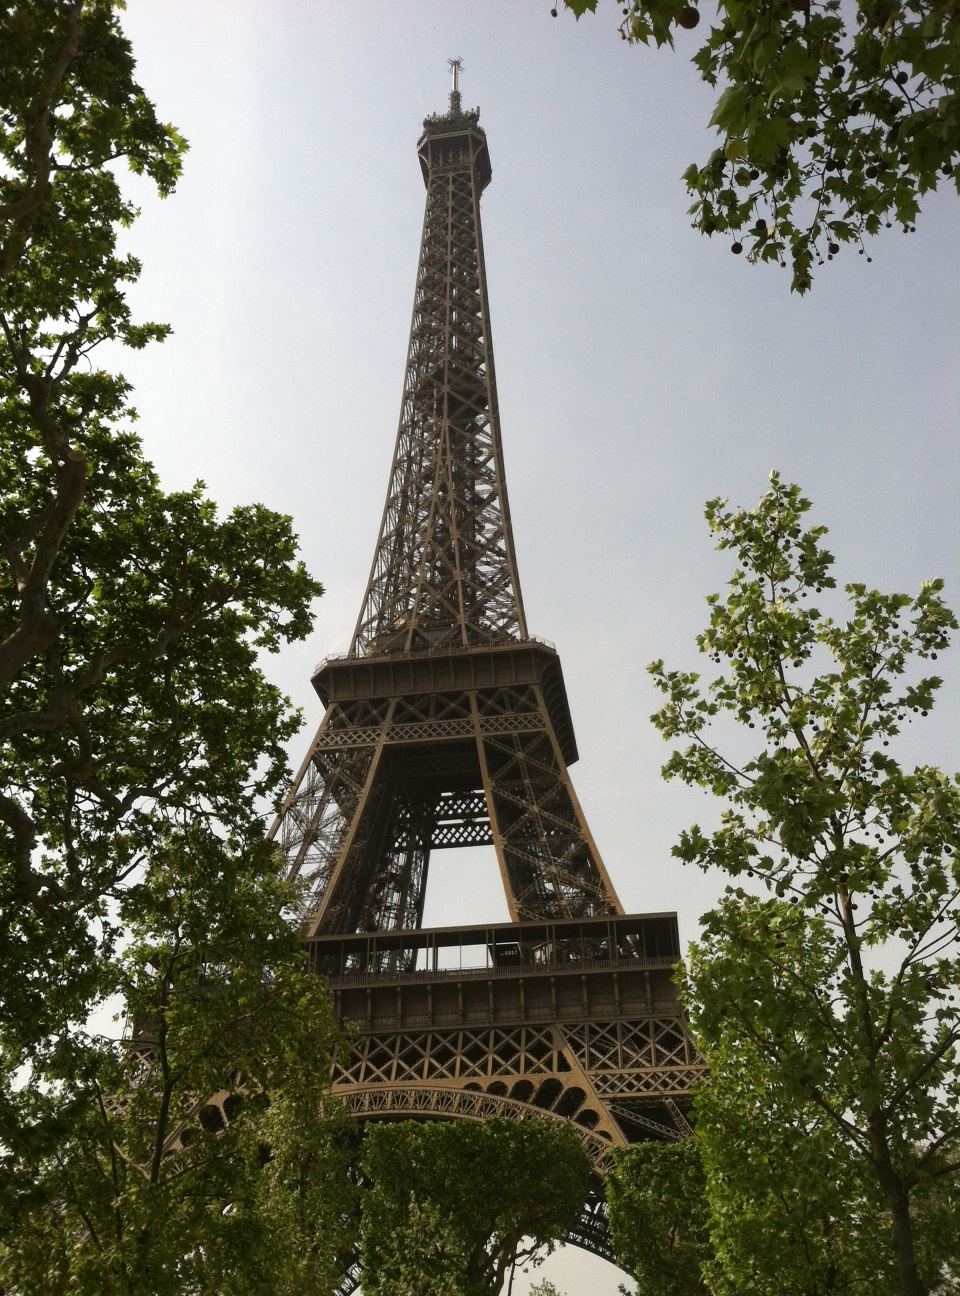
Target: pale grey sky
[642,369]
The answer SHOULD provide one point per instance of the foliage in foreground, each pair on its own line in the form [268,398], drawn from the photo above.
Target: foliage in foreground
[827,1009]
[139,739]
[148,1188]
[450,1203]
[779,1209]
[659,1217]
[834,119]
[130,618]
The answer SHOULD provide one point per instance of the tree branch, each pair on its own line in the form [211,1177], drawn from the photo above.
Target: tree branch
[36,131]
[38,627]
[27,883]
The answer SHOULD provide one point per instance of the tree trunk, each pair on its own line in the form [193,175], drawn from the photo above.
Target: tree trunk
[898,1203]
[910,1284]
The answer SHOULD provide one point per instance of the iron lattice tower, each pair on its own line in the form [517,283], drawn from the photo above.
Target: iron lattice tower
[447,725]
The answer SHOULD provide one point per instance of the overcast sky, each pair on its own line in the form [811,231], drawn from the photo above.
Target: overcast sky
[642,369]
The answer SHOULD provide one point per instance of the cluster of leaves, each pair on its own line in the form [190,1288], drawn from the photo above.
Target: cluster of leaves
[202,1153]
[796,1203]
[763,1200]
[449,1204]
[834,118]
[843,985]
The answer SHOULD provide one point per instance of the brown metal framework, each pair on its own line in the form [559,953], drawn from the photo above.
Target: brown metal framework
[444,572]
[447,725]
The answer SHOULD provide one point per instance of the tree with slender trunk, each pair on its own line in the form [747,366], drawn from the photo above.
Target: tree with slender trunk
[825,989]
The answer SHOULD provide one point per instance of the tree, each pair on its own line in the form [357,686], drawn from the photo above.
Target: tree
[203,1153]
[141,743]
[659,1217]
[794,1208]
[841,986]
[449,1203]
[760,1201]
[131,618]
[834,120]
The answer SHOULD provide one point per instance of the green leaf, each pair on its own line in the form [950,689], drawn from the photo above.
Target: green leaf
[730,114]
[766,137]
[843,866]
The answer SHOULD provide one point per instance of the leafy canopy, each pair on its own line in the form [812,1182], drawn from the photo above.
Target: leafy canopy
[797,1205]
[140,740]
[202,1153]
[449,1203]
[834,999]
[659,1217]
[834,119]
[130,619]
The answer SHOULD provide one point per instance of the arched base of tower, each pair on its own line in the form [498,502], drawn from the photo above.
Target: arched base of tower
[561,1019]
[419,1102]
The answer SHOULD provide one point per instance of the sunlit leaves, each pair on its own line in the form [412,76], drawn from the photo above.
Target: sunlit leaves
[119,1174]
[141,746]
[130,619]
[660,1216]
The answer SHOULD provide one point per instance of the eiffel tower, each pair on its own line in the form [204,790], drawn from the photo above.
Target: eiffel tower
[447,725]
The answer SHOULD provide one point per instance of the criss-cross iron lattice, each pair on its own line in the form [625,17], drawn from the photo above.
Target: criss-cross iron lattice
[388,781]
[444,570]
[447,726]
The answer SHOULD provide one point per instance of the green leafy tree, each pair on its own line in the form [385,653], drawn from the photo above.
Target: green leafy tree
[834,120]
[761,1201]
[841,986]
[794,1208]
[203,1153]
[140,741]
[659,1217]
[130,619]
[450,1203]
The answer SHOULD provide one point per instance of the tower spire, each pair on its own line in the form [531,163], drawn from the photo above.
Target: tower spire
[446,724]
[456,67]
